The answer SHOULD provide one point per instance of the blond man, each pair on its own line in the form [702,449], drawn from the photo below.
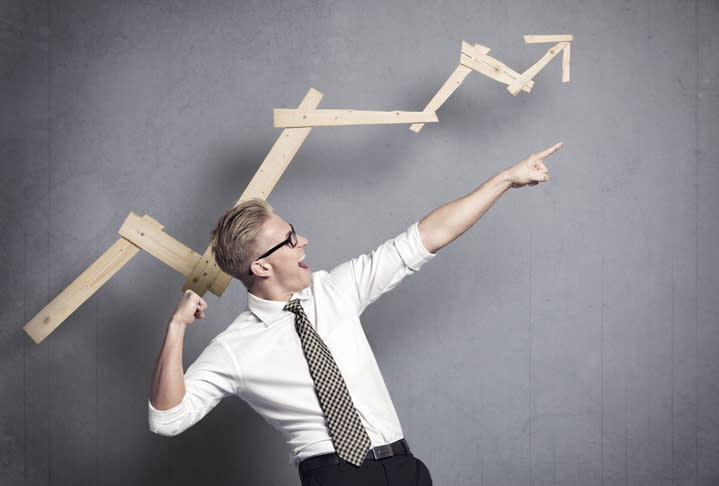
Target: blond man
[264,357]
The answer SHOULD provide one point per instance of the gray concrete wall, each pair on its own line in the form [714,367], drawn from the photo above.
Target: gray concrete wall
[570,338]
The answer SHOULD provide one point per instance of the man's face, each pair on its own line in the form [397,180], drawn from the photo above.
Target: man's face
[288,272]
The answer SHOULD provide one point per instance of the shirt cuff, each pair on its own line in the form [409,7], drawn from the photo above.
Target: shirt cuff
[411,250]
[164,422]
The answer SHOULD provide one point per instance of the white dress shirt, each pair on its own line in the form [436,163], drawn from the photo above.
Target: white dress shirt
[259,356]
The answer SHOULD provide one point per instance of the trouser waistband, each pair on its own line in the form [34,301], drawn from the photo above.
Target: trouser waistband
[398,448]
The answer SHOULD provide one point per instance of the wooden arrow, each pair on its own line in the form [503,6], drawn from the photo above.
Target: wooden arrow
[202,271]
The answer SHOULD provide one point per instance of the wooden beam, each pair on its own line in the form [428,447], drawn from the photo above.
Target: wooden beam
[474,50]
[490,66]
[82,288]
[542,39]
[206,275]
[527,75]
[289,118]
[472,58]
[159,244]
[449,86]
[566,56]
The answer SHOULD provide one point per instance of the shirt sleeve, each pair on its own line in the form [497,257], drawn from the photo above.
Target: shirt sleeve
[365,278]
[207,381]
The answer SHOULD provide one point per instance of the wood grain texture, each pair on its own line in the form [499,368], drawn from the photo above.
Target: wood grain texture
[288,118]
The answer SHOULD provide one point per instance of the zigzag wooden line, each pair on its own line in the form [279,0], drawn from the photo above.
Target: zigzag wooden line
[475,58]
[202,271]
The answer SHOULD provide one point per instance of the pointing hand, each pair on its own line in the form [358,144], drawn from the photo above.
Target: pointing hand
[531,171]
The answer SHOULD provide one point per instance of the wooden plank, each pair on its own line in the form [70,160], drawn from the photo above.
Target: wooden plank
[290,118]
[491,67]
[449,86]
[541,39]
[566,56]
[75,294]
[475,58]
[151,222]
[159,244]
[280,155]
[527,75]
[476,49]
[207,275]
[473,53]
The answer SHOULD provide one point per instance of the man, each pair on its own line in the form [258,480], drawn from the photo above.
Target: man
[299,355]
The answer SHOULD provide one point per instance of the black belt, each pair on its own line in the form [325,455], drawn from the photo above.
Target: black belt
[399,448]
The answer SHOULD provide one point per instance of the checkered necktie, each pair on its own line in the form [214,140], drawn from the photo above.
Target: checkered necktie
[348,434]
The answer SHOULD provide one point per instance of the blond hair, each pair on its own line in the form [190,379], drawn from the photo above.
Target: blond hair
[235,236]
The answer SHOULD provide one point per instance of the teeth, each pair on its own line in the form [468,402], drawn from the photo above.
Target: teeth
[303,257]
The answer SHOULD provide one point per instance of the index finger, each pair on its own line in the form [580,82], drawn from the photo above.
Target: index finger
[549,151]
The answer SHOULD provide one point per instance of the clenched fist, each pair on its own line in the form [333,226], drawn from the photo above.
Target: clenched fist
[189,308]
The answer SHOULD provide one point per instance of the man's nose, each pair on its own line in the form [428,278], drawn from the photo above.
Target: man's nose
[302,241]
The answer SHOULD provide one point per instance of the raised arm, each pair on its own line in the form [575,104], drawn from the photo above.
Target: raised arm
[167,386]
[446,223]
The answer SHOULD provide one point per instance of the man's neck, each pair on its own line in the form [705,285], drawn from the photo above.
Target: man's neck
[262,292]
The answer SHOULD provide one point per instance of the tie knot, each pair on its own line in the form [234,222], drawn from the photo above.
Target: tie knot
[294,306]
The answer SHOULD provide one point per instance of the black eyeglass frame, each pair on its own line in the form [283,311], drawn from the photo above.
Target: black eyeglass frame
[291,241]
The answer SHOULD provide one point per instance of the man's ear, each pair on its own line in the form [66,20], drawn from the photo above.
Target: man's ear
[261,268]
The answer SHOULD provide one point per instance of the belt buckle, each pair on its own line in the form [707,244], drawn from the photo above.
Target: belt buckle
[383,451]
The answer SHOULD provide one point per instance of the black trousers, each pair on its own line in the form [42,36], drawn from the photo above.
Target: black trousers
[404,470]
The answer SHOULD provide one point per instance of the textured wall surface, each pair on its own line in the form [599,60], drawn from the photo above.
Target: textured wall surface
[571,337]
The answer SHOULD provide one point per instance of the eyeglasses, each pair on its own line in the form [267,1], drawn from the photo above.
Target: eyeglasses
[291,241]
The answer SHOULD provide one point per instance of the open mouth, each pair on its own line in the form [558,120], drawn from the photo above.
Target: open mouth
[302,265]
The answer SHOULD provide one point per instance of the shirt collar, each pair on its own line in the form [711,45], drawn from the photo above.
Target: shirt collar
[271,311]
